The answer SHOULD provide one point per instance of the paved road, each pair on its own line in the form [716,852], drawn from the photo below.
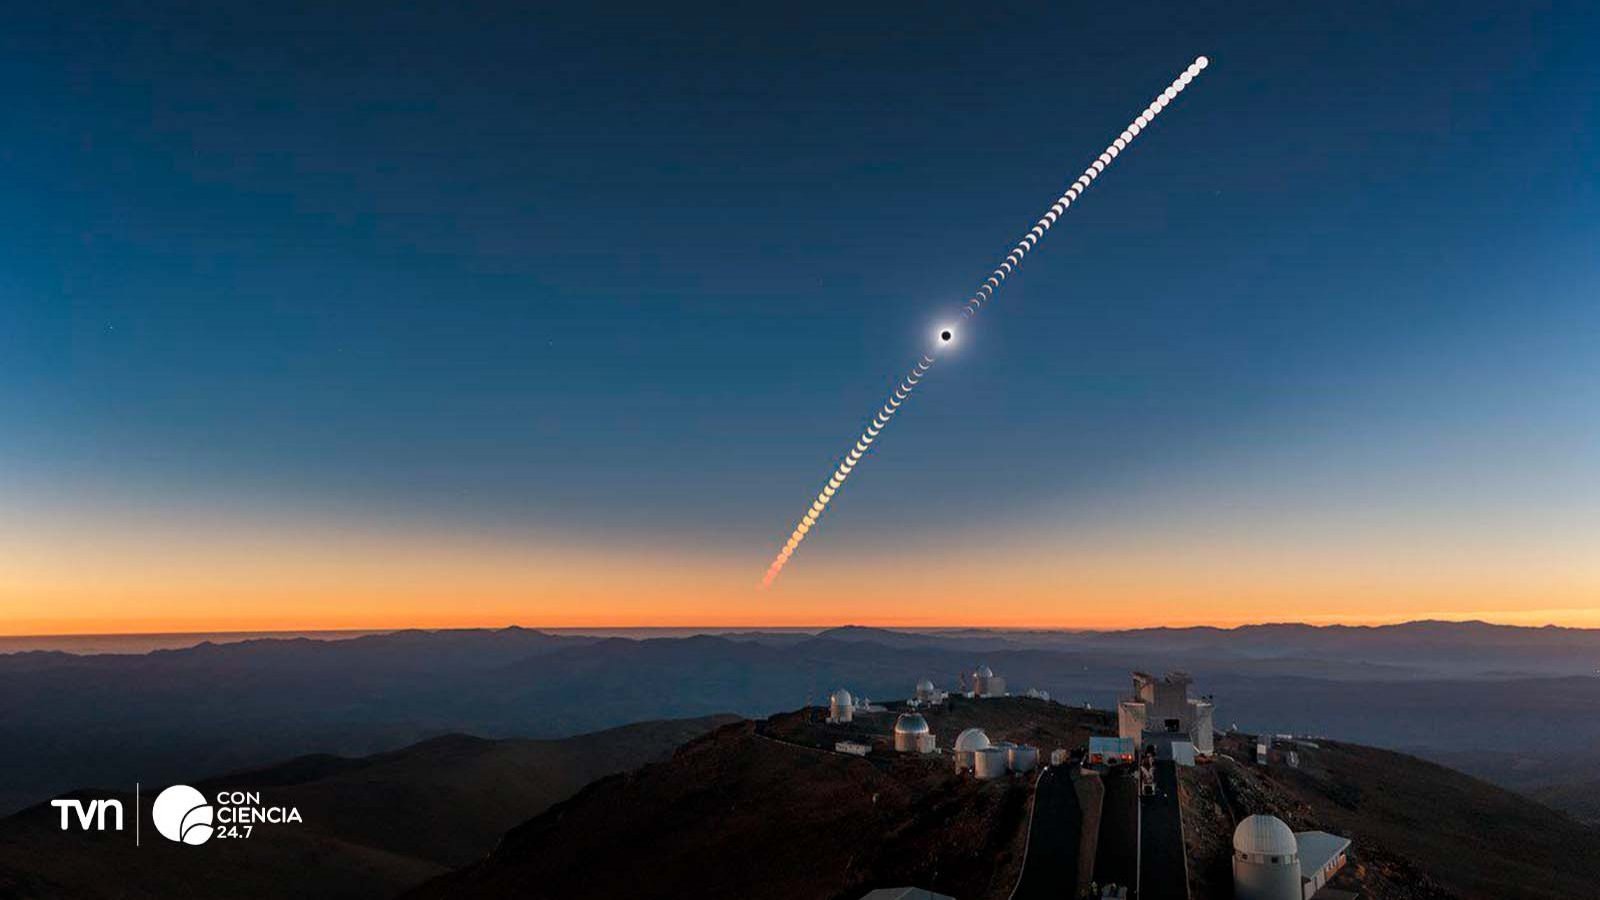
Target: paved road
[1163,872]
[1052,868]
[1119,829]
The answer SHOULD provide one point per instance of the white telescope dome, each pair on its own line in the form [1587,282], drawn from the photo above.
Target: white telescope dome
[972,739]
[1266,836]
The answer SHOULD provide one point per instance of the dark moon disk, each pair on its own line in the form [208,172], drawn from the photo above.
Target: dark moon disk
[945,335]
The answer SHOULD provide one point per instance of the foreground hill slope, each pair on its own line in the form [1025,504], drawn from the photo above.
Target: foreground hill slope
[1418,829]
[768,809]
[373,826]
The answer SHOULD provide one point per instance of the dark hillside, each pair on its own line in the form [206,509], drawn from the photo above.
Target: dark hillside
[373,826]
[1419,830]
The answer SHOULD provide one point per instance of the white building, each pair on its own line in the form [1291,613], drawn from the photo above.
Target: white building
[985,683]
[854,748]
[1161,711]
[1266,860]
[912,734]
[968,743]
[1270,862]
[989,763]
[841,707]
[1322,855]
[926,694]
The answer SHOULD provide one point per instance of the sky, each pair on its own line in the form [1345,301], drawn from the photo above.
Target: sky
[388,316]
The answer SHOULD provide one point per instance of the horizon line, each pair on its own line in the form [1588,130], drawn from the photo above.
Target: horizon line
[772,627]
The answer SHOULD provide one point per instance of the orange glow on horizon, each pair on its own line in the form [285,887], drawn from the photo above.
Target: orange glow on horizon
[188,571]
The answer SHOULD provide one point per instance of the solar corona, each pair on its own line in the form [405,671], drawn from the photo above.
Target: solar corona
[982,295]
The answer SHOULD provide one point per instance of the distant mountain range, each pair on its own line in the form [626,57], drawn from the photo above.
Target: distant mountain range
[1429,687]
[397,797]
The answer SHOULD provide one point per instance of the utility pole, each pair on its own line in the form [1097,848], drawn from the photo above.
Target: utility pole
[1138,845]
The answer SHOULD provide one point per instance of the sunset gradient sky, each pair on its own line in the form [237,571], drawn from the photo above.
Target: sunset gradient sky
[557,317]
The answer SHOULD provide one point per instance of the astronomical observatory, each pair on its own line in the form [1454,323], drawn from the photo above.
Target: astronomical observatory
[975,753]
[925,694]
[1161,714]
[912,734]
[841,707]
[985,683]
[968,744]
[1271,862]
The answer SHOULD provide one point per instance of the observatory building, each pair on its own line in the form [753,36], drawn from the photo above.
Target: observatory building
[1022,758]
[989,763]
[1270,862]
[1162,713]
[968,743]
[985,683]
[926,694]
[974,751]
[912,734]
[1266,860]
[841,707]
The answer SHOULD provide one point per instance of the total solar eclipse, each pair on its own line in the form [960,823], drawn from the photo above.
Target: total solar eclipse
[984,294]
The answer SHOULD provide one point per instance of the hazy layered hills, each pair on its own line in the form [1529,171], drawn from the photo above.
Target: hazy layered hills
[220,707]
[372,825]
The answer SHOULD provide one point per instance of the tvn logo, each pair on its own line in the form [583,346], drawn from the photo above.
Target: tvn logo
[90,816]
[182,814]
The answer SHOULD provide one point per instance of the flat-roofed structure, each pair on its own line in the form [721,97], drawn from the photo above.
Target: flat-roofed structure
[1322,855]
[1110,750]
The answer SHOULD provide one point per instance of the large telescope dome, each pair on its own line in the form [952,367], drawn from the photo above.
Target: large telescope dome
[972,739]
[911,723]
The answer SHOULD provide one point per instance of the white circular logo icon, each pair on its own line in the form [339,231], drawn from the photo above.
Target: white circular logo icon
[182,814]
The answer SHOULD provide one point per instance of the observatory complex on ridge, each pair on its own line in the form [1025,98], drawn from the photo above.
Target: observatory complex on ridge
[1161,714]
[1130,790]
[972,751]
